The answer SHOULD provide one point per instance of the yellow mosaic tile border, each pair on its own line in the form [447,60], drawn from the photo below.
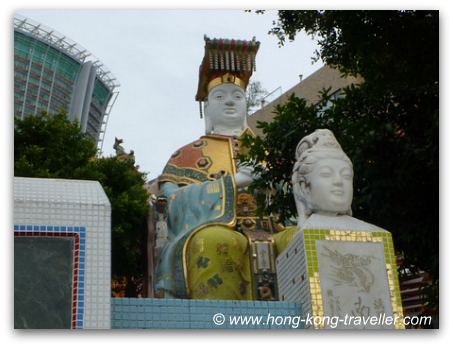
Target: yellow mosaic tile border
[312,235]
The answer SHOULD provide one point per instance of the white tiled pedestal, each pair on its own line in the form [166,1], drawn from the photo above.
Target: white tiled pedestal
[73,209]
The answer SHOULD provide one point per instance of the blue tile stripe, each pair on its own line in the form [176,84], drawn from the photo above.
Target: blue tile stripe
[133,313]
[81,231]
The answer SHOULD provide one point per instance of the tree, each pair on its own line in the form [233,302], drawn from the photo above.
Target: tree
[124,186]
[394,49]
[276,148]
[389,125]
[49,145]
[255,94]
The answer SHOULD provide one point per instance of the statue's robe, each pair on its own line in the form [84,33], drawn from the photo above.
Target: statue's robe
[205,257]
[198,182]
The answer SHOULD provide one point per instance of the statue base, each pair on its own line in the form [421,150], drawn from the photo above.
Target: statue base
[343,279]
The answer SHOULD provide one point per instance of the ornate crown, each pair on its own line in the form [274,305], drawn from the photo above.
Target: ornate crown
[226,61]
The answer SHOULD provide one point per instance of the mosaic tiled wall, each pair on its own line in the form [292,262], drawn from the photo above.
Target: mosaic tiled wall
[298,270]
[77,210]
[132,313]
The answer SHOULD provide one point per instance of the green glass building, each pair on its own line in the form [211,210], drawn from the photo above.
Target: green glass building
[51,73]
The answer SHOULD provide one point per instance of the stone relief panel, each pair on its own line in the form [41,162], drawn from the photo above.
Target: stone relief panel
[354,283]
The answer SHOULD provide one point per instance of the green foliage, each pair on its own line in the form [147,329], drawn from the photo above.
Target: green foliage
[388,126]
[124,186]
[397,47]
[276,150]
[50,146]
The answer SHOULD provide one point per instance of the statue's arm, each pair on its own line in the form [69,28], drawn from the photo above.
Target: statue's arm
[193,205]
[168,188]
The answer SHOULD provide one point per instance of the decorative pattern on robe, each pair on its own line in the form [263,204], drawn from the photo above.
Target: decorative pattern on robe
[199,192]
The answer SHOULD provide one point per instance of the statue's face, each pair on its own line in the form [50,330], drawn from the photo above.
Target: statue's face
[226,106]
[330,186]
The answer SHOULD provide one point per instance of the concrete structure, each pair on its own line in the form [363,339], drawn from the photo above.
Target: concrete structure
[51,73]
[309,89]
[62,254]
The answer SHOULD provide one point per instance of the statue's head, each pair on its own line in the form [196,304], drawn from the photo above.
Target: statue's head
[225,109]
[322,176]
[225,71]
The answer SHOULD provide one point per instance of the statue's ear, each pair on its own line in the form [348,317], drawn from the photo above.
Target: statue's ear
[300,186]
[305,187]
[301,191]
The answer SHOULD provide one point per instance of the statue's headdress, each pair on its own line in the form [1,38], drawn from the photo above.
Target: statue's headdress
[321,140]
[226,61]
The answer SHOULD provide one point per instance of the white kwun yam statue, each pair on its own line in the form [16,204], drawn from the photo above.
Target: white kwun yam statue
[335,265]
[323,185]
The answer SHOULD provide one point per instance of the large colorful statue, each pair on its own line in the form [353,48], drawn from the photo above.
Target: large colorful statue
[211,245]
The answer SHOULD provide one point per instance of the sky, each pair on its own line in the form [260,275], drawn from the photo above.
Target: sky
[155,55]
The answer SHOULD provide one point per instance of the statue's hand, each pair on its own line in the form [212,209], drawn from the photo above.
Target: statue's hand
[245,176]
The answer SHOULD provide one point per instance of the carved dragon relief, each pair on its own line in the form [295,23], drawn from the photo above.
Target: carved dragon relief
[350,270]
